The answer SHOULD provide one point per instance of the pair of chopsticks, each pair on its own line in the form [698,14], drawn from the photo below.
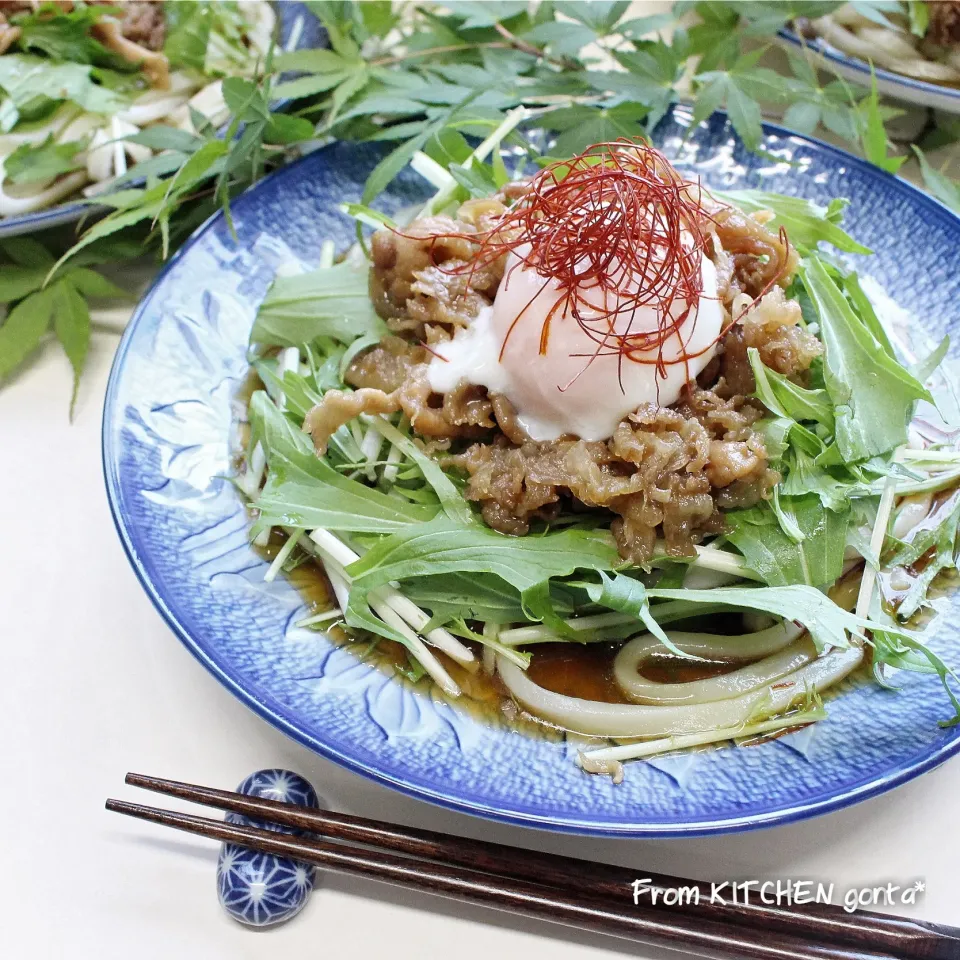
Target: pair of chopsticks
[577,893]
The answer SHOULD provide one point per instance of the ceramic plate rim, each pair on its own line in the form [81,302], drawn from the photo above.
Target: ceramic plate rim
[573,825]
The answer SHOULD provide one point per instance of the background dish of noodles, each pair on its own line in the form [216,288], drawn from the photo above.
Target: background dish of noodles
[296,27]
[165,444]
[889,84]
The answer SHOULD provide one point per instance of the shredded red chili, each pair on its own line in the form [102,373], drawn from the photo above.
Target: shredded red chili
[618,220]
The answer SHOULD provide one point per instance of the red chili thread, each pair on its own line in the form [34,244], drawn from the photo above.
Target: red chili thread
[618,219]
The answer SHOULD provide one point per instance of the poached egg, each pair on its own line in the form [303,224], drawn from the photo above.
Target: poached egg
[572,388]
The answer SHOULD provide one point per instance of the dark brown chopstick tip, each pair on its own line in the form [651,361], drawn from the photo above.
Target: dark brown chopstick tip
[139,779]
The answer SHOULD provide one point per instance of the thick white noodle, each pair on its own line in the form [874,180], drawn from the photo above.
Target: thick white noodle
[781,648]
[107,153]
[593,718]
[208,101]
[38,132]
[156,104]
[609,760]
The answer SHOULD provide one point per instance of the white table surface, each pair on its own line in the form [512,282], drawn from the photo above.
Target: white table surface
[94,684]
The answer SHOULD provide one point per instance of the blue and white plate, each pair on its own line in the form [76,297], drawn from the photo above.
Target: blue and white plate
[168,421]
[898,86]
[298,29]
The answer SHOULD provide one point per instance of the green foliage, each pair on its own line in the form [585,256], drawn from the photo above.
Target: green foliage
[461,67]
[71,323]
[415,80]
[938,183]
[875,142]
[34,305]
[740,89]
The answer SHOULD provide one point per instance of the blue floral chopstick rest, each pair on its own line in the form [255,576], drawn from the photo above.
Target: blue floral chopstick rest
[260,889]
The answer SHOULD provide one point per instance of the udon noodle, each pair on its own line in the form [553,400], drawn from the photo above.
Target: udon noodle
[933,57]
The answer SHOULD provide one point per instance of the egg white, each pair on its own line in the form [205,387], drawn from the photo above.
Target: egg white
[570,389]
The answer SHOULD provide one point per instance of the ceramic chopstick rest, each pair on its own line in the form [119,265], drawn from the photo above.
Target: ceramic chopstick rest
[261,889]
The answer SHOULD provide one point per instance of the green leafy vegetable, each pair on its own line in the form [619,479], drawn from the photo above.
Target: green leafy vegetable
[473,596]
[817,559]
[65,35]
[187,33]
[452,501]
[905,651]
[304,491]
[861,303]
[528,564]
[829,625]
[28,79]
[336,503]
[626,595]
[873,395]
[937,536]
[788,399]
[326,302]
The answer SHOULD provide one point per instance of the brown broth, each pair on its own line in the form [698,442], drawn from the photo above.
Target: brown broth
[586,670]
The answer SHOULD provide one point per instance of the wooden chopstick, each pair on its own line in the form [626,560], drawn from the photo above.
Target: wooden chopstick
[909,939]
[692,935]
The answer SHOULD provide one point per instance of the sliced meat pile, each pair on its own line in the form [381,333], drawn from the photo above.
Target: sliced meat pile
[664,469]
[421,283]
[665,473]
